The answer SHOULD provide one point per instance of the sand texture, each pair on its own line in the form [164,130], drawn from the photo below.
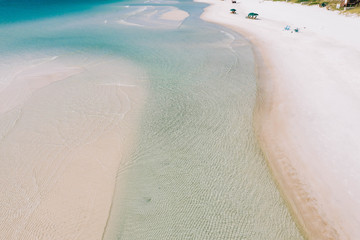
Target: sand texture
[308,107]
[66,125]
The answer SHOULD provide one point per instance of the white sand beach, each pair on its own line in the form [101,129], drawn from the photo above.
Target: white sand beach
[308,111]
[67,125]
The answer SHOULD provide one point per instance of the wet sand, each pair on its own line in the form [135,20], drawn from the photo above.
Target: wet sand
[175,15]
[67,124]
[165,17]
[307,112]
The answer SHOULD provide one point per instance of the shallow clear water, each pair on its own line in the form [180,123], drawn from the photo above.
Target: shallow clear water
[196,171]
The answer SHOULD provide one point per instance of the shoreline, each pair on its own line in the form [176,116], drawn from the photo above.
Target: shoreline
[293,134]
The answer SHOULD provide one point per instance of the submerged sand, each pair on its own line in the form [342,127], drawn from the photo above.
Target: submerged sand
[154,17]
[308,108]
[175,14]
[67,124]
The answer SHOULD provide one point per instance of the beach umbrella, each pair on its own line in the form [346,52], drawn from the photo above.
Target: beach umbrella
[232,10]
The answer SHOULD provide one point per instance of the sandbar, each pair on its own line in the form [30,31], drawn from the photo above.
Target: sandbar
[63,139]
[175,15]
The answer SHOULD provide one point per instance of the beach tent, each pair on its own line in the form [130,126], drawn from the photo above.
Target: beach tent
[252,15]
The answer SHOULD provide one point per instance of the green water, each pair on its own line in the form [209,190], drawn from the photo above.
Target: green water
[196,171]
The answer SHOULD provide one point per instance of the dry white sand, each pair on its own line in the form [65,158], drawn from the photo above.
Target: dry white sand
[66,126]
[308,107]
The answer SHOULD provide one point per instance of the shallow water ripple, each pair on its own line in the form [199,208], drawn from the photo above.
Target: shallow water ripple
[197,171]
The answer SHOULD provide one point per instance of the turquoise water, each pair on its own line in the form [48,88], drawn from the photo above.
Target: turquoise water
[196,171]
